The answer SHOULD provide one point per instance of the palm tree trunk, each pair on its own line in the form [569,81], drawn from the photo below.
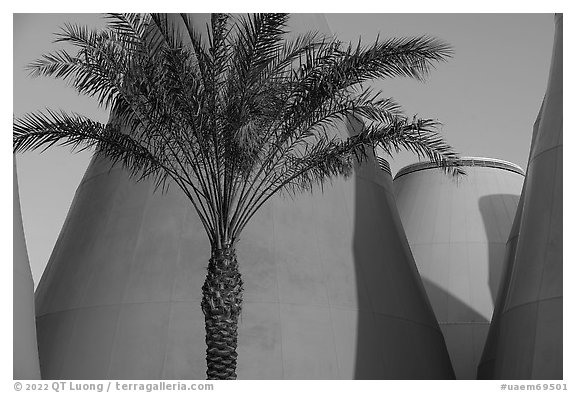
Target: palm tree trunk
[221,304]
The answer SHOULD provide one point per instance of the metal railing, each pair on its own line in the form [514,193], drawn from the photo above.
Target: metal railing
[464,161]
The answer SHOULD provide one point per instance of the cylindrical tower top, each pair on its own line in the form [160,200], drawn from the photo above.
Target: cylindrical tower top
[463,161]
[457,233]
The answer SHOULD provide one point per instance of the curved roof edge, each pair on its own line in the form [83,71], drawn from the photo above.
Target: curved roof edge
[463,161]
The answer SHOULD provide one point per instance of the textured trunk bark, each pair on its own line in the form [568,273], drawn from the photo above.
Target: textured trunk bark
[221,304]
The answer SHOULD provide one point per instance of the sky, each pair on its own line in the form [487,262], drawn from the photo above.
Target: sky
[487,97]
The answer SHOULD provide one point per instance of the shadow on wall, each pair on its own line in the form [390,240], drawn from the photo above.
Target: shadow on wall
[464,340]
[493,209]
[397,334]
[453,309]
[368,363]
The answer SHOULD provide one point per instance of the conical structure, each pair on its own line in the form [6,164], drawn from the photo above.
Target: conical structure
[457,231]
[487,361]
[25,347]
[331,289]
[527,330]
[488,358]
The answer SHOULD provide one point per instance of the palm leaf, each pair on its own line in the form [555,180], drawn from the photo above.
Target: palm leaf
[46,129]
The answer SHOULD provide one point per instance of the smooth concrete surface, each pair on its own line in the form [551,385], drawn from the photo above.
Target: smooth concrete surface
[457,231]
[331,288]
[25,347]
[527,330]
[488,358]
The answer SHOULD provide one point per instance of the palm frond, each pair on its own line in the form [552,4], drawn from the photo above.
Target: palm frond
[97,70]
[412,57]
[201,55]
[332,68]
[421,137]
[258,39]
[49,128]
[237,113]
[135,25]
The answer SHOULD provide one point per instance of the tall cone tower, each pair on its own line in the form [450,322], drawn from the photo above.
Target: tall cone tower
[457,231]
[25,348]
[486,365]
[526,332]
[331,289]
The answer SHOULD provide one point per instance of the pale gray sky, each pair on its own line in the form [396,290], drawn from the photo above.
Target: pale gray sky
[487,97]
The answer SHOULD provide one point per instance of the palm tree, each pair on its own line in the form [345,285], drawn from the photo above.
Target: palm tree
[232,119]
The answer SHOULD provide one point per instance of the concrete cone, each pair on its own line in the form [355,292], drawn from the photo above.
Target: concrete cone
[528,328]
[25,348]
[457,231]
